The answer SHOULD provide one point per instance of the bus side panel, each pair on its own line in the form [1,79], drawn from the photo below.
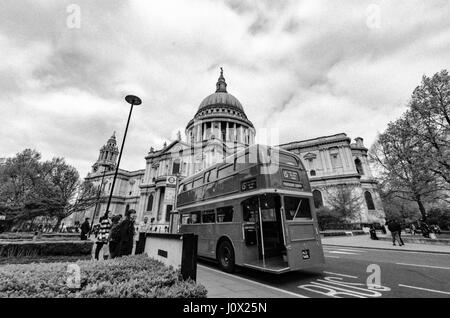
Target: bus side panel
[305,249]
[232,231]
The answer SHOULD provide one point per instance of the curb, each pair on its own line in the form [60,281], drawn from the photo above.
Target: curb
[389,249]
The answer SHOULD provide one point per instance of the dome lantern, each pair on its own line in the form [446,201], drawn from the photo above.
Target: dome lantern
[221,86]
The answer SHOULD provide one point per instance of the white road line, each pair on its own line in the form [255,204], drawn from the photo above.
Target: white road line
[331,256]
[428,266]
[430,290]
[256,283]
[343,275]
[354,249]
[350,250]
[340,252]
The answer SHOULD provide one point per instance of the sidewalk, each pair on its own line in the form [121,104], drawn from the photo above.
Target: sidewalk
[364,241]
[223,285]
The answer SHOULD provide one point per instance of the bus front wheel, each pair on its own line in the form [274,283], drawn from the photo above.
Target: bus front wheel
[225,255]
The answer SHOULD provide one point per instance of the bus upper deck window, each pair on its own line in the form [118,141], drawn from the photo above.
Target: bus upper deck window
[296,208]
[289,160]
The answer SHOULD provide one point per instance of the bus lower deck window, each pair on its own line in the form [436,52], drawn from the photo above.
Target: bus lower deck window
[195,217]
[296,208]
[208,216]
[225,214]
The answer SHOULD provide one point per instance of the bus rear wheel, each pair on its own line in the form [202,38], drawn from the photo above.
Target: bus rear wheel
[225,255]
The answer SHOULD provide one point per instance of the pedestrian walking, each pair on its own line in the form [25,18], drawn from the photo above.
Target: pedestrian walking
[85,229]
[103,235]
[114,237]
[127,232]
[395,229]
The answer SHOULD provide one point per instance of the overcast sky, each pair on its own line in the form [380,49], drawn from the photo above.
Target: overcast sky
[307,68]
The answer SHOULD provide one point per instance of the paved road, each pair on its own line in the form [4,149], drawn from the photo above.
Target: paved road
[345,274]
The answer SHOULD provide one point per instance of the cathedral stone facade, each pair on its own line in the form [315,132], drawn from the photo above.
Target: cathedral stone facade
[220,128]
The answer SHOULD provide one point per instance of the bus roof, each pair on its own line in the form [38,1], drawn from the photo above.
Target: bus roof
[229,159]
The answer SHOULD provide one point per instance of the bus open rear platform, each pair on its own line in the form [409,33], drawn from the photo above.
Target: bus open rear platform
[274,265]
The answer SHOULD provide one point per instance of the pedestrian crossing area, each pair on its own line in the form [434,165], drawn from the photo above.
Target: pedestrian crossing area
[337,252]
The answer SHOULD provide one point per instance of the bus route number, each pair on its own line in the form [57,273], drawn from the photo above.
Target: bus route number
[248,185]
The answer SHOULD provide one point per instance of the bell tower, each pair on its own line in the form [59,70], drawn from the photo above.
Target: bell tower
[107,157]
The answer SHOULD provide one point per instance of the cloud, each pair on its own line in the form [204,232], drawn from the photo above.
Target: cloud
[305,68]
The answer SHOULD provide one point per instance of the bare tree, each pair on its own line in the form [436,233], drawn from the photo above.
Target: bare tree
[343,201]
[404,173]
[430,118]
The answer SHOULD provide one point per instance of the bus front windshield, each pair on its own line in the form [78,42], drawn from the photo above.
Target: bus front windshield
[296,208]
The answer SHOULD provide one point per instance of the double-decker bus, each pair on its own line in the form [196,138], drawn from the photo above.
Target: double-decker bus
[254,210]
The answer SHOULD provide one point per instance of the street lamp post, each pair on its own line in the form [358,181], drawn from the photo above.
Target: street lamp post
[133,101]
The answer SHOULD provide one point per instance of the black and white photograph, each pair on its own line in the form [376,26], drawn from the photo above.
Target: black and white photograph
[225,153]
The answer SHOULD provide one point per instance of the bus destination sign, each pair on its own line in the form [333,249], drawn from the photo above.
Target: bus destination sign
[248,185]
[291,175]
[293,185]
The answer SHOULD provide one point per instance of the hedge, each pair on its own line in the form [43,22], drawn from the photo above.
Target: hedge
[124,277]
[9,236]
[44,248]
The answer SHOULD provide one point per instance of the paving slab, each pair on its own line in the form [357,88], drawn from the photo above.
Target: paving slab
[224,285]
[364,241]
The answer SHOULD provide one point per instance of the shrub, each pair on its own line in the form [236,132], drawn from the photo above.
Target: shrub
[44,248]
[9,236]
[125,277]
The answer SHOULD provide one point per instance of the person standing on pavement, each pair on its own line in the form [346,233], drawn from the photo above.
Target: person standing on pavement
[114,236]
[127,232]
[103,235]
[85,229]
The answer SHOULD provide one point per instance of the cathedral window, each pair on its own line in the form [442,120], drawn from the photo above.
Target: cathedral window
[312,173]
[359,166]
[150,202]
[318,201]
[335,158]
[369,200]
[176,166]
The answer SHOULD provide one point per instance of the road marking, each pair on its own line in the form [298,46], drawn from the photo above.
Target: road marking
[429,266]
[340,252]
[350,250]
[256,283]
[421,288]
[343,275]
[331,256]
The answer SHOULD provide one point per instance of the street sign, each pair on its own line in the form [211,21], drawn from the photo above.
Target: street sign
[171,180]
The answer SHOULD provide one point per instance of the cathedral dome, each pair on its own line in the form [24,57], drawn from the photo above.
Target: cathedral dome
[221,104]
[221,116]
[221,99]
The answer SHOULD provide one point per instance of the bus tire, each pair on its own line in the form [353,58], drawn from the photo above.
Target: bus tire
[225,256]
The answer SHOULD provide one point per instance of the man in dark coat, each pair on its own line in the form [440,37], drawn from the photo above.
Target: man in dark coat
[395,229]
[114,237]
[127,233]
[85,229]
